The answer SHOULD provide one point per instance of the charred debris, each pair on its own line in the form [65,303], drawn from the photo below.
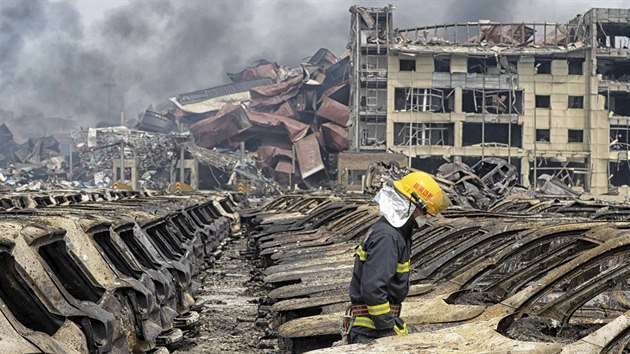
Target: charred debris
[270,128]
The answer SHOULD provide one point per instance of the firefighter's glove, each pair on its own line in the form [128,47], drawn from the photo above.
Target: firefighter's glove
[400,327]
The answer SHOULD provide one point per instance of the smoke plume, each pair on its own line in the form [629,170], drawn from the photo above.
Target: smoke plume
[53,62]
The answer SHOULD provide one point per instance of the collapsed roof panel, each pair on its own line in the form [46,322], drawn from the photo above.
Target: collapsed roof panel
[213,99]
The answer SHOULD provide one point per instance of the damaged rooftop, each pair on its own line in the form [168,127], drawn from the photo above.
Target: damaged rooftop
[218,206]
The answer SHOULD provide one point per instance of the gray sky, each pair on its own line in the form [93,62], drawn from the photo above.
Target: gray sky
[55,56]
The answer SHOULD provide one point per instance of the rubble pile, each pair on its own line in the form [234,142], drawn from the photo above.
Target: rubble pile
[481,186]
[99,147]
[36,164]
[294,119]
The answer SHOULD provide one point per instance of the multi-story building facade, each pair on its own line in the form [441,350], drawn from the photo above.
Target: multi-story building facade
[551,98]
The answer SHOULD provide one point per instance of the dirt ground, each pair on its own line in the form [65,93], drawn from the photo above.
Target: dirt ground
[229,316]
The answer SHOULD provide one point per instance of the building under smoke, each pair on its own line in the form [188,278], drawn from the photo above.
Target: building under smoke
[553,99]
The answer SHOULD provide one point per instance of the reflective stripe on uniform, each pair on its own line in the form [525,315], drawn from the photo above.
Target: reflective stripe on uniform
[361,253]
[363,321]
[379,309]
[402,267]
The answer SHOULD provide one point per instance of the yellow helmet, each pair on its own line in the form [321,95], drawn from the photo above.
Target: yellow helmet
[423,191]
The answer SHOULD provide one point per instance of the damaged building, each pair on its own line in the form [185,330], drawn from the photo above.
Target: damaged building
[553,99]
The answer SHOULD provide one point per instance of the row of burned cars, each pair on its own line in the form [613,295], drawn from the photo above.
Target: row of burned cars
[530,275]
[105,271]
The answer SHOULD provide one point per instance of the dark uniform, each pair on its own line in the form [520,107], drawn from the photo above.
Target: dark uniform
[380,280]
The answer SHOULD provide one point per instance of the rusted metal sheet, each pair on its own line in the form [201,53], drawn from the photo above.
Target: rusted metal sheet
[274,94]
[323,57]
[264,70]
[287,109]
[333,111]
[308,155]
[230,121]
[296,129]
[284,165]
[336,136]
[270,154]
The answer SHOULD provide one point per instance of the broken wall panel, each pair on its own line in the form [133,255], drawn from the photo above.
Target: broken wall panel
[309,156]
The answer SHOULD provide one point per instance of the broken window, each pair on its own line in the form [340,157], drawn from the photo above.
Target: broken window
[492,134]
[618,103]
[576,66]
[424,134]
[373,132]
[429,164]
[572,174]
[576,135]
[407,65]
[543,101]
[70,272]
[576,101]
[612,36]
[375,100]
[376,63]
[482,65]
[543,135]
[492,101]
[423,100]
[355,177]
[614,70]
[21,299]
[619,173]
[542,65]
[620,137]
[442,64]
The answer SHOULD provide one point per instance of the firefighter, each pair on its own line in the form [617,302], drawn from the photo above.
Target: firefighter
[380,279]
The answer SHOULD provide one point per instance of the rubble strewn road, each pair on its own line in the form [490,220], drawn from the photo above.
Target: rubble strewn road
[230,309]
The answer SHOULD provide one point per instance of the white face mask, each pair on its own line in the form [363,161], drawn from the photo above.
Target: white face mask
[394,207]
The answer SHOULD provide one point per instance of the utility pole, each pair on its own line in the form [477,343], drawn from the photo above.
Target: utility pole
[109,86]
